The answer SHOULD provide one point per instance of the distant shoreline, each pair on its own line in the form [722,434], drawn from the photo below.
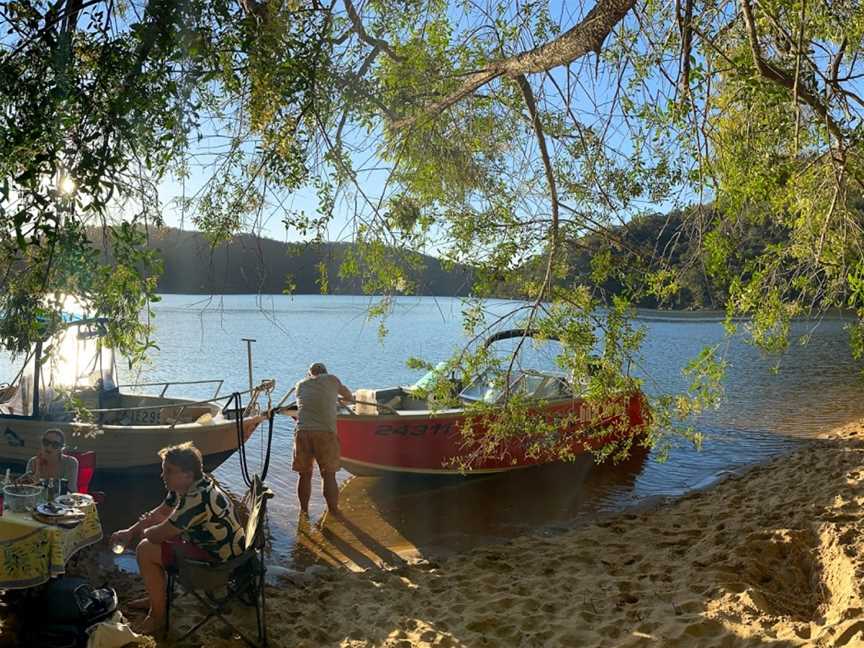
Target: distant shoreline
[649,314]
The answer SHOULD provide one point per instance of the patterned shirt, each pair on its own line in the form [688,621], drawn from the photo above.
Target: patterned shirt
[207,518]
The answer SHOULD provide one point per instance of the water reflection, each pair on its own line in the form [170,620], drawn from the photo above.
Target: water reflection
[387,519]
[422,515]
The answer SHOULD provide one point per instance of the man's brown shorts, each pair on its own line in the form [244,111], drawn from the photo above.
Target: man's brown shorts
[318,445]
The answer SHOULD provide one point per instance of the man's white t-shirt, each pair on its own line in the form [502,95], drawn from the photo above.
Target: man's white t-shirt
[317,402]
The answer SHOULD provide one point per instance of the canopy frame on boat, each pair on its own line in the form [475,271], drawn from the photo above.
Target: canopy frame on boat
[73,358]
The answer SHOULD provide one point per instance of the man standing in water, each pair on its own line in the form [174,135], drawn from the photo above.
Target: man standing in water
[318,396]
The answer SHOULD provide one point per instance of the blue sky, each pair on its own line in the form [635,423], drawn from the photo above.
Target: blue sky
[596,91]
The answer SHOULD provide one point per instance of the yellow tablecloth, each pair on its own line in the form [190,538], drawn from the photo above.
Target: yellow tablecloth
[32,552]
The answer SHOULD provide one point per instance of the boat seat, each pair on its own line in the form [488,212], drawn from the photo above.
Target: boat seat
[387,395]
[366,406]
[378,401]
[411,402]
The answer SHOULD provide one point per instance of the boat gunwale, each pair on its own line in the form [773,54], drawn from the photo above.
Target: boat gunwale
[162,427]
[539,405]
[444,413]
[394,470]
[79,425]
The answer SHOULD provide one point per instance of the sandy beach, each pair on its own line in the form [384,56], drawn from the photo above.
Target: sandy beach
[769,557]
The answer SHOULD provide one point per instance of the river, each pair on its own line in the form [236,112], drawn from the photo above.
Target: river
[770,407]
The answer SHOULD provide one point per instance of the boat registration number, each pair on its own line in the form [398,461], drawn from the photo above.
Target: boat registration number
[145,416]
[414,429]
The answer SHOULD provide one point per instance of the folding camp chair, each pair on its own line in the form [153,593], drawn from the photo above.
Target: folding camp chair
[86,468]
[218,584]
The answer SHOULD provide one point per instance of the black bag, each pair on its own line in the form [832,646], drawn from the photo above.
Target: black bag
[65,609]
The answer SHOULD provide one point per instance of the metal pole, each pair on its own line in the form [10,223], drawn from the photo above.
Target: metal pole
[249,342]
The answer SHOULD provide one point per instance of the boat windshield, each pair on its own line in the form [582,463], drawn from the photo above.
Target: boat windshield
[488,387]
[541,386]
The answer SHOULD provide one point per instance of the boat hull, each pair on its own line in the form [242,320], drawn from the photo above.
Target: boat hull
[432,444]
[123,449]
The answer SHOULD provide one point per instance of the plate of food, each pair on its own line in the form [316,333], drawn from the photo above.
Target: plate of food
[73,500]
[56,514]
[52,509]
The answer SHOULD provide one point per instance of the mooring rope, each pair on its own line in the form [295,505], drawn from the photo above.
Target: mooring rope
[241,446]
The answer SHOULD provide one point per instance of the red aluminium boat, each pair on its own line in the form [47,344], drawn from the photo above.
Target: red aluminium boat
[396,430]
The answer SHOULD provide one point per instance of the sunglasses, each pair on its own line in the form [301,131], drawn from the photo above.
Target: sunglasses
[48,443]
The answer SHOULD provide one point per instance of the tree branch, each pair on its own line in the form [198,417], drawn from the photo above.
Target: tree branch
[528,94]
[781,78]
[835,64]
[363,69]
[685,25]
[254,8]
[586,37]
[360,30]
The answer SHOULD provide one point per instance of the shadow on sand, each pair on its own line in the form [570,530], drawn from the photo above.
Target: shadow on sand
[769,558]
[388,519]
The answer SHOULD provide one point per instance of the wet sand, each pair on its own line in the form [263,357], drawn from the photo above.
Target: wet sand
[770,557]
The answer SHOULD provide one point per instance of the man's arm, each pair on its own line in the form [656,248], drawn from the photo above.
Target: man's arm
[157,515]
[161,532]
[345,393]
[149,519]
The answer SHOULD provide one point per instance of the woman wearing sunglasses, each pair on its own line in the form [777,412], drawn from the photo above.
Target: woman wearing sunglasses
[51,463]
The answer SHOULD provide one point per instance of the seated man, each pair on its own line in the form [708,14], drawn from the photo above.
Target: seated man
[196,518]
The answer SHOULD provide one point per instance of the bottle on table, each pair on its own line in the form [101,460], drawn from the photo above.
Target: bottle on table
[7,481]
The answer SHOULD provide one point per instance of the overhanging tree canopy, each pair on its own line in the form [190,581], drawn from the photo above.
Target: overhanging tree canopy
[506,132]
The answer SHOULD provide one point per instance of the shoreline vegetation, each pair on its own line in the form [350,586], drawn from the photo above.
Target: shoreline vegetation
[773,556]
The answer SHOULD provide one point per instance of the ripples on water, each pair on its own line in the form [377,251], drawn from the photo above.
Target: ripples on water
[812,389]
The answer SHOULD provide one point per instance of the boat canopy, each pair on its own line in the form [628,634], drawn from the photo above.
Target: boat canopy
[74,361]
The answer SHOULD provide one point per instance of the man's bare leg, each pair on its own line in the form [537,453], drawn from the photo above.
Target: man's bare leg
[331,491]
[304,490]
[149,557]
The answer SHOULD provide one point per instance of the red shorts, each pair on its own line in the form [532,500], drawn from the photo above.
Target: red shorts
[188,549]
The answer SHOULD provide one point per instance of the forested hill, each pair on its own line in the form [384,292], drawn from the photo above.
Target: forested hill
[250,264]
[669,242]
